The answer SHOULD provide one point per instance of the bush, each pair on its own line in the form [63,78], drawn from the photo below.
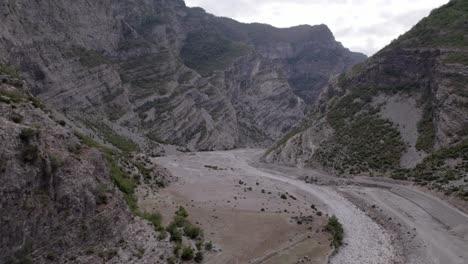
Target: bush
[182,212]
[17,118]
[30,153]
[154,218]
[198,257]
[187,254]
[335,228]
[209,246]
[162,235]
[192,232]
[27,134]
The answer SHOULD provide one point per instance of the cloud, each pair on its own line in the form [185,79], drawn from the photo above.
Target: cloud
[361,25]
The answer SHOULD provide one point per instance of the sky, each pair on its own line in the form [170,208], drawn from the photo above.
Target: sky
[361,25]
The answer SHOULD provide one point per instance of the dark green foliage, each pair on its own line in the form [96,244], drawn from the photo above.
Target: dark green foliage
[426,130]
[363,140]
[182,212]
[445,27]
[28,134]
[192,231]
[209,246]
[209,51]
[187,254]
[17,118]
[336,229]
[162,235]
[30,153]
[171,260]
[101,195]
[198,257]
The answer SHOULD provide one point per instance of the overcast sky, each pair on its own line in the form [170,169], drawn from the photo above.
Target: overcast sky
[361,25]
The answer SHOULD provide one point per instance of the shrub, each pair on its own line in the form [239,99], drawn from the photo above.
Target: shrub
[27,134]
[336,229]
[209,246]
[154,218]
[17,118]
[30,153]
[162,235]
[187,253]
[182,212]
[192,231]
[171,260]
[198,257]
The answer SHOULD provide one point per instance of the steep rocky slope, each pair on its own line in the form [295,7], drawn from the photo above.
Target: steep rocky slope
[58,200]
[156,71]
[403,112]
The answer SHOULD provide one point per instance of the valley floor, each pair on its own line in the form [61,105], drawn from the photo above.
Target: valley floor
[238,203]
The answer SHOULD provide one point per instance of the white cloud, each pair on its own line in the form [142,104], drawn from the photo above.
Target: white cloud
[361,25]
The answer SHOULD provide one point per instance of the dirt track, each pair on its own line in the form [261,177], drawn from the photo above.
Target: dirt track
[384,222]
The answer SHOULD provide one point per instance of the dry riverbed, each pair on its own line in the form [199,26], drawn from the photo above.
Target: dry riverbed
[251,213]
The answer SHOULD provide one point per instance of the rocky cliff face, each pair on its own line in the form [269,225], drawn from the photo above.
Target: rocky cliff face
[58,200]
[402,112]
[155,71]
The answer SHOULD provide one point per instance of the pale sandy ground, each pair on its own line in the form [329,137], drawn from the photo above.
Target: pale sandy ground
[231,214]
[384,222]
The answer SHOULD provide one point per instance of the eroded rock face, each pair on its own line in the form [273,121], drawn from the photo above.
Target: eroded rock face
[167,72]
[405,107]
[58,202]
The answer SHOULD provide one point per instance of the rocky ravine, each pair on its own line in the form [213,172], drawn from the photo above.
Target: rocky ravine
[157,71]
[402,112]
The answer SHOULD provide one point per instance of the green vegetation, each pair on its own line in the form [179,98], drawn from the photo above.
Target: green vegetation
[109,135]
[30,153]
[11,96]
[335,228]
[187,253]
[191,231]
[445,27]
[125,183]
[9,70]
[426,130]
[27,134]
[456,57]
[209,51]
[155,219]
[88,58]
[198,257]
[37,103]
[363,141]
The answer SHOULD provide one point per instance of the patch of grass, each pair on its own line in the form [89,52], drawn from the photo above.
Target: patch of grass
[154,218]
[191,231]
[335,228]
[109,135]
[11,96]
[9,70]
[37,103]
[125,183]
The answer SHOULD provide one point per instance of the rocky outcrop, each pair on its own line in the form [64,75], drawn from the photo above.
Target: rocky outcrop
[166,73]
[402,112]
[58,201]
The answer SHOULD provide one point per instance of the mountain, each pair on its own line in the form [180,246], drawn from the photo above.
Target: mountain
[401,113]
[139,74]
[60,199]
